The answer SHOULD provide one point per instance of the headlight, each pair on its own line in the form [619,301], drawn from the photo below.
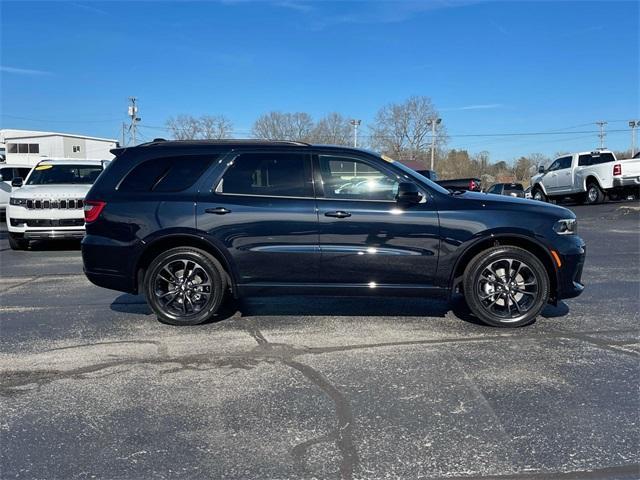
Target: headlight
[567,226]
[21,202]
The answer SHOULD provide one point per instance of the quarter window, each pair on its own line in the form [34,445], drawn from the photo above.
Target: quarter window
[348,178]
[268,174]
[168,174]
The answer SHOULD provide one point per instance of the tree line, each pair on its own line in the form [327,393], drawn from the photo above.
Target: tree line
[400,130]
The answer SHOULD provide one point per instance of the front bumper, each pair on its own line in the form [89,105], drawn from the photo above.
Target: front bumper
[572,256]
[45,224]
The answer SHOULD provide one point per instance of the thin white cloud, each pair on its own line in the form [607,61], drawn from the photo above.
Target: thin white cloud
[22,71]
[90,8]
[480,106]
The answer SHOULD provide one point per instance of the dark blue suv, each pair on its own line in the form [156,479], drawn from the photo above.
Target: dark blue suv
[186,222]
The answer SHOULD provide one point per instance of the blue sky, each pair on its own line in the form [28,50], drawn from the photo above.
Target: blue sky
[489,67]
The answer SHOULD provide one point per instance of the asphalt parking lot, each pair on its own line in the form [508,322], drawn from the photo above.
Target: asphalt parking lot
[93,386]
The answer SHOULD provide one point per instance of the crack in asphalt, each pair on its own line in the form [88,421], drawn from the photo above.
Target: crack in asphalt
[342,435]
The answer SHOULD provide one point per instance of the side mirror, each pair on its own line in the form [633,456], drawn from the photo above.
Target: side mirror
[408,193]
[541,169]
[17,182]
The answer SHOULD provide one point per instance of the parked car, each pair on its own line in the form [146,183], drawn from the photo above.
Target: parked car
[587,177]
[49,203]
[186,221]
[456,184]
[462,184]
[7,174]
[510,189]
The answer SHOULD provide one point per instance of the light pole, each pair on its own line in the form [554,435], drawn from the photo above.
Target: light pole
[356,124]
[633,124]
[432,122]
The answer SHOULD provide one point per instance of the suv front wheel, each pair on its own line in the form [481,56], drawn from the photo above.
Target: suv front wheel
[506,286]
[184,286]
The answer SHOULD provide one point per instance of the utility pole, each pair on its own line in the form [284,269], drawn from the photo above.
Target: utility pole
[356,124]
[633,124]
[602,135]
[132,112]
[432,122]
[124,128]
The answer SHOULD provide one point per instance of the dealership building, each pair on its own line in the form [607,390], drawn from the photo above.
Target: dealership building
[28,147]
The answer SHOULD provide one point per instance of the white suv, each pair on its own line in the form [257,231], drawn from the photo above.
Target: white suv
[49,204]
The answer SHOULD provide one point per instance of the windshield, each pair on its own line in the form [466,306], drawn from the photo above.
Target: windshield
[420,178]
[64,174]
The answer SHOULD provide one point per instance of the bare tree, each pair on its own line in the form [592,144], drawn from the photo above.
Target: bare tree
[188,127]
[333,129]
[403,129]
[284,126]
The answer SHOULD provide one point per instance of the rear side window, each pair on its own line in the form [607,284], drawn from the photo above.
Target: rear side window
[602,158]
[268,174]
[167,174]
[584,160]
[514,187]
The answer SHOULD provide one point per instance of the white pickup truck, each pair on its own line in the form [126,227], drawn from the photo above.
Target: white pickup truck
[49,203]
[587,177]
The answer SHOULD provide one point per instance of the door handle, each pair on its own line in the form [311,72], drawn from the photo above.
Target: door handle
[218,210]
[338,214]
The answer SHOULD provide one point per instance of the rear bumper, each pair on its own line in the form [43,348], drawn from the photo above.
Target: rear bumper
[49,234]
[626,182]
[109,263]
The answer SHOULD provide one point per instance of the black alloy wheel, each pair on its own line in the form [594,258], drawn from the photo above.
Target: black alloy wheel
[184,286]
[506,286]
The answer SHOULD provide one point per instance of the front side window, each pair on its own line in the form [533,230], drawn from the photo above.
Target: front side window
[6,174]
[64,175]
[560,163]
[268,174]
[351,179]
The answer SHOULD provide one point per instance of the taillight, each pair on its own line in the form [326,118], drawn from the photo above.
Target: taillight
[472,185]
[617,169]
[92,209]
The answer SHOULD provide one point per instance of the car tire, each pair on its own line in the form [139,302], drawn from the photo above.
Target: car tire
[184,286]
[17,243]
[594,194]
[506,286]
[538,194]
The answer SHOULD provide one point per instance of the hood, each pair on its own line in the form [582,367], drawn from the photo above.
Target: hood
[518,203]
[51,191]
[536,178]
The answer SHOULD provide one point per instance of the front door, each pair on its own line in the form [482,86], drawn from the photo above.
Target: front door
[263,212]
[366,238]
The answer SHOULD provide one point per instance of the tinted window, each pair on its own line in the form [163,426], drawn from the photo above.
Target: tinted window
[584,160]
[348,178]
[514,187]
[6,174]
[268,174]
[493,189]
[559,164]
[21,172]
[602,158]
[168,174]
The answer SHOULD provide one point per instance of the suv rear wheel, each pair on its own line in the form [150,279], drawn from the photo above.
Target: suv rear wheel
[506,286]
[184,286]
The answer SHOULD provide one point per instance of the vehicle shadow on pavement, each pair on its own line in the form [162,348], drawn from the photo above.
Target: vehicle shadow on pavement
[296,306]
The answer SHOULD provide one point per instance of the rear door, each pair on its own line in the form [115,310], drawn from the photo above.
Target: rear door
[262,210]
[367,239]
